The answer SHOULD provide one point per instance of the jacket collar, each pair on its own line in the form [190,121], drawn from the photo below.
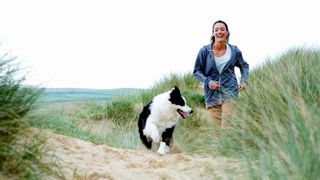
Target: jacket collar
[233,47]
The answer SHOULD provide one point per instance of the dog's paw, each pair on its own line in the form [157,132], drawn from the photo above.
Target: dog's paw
[167,149]
[161,153]
[162,149]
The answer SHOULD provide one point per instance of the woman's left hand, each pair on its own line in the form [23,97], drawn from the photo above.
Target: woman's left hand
[241,87]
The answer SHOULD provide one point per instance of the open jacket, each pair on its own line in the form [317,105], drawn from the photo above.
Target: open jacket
[205,70]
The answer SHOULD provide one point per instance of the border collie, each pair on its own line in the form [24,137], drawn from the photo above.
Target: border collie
[158,119]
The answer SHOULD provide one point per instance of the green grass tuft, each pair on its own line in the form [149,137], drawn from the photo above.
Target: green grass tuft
[18,159]
[275,126]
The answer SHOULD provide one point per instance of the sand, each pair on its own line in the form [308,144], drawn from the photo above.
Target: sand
[79,159]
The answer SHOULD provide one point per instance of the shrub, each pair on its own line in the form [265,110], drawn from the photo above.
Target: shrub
[15,101]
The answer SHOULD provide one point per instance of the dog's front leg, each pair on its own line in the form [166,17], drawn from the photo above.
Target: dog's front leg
[152,131]
[155,134]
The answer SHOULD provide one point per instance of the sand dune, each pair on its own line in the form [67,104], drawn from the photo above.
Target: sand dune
[79,159]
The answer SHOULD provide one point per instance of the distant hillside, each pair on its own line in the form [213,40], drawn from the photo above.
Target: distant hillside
[77,94]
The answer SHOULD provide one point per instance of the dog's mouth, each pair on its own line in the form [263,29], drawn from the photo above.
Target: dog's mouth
[183,114]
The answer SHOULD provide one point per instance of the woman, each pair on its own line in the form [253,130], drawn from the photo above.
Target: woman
[214,67]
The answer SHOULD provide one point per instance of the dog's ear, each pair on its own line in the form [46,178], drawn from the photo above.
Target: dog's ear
[175,96]
[176,90]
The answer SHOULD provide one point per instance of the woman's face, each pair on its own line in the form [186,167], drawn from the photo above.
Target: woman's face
[220,32]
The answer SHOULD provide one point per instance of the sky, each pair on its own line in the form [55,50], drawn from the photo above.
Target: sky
[104,44]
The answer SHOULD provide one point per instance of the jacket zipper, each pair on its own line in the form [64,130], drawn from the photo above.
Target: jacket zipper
[220,88]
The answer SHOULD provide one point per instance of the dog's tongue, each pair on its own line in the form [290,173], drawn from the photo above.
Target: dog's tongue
[183,114]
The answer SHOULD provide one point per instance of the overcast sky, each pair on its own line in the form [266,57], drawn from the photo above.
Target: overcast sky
[134,43]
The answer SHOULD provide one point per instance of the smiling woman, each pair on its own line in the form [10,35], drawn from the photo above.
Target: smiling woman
[215,68]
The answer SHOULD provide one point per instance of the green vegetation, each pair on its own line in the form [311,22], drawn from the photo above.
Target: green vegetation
[273,131]
[19,159]
[114,121]
[275,127]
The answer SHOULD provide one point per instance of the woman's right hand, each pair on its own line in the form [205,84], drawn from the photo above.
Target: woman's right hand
[214,85]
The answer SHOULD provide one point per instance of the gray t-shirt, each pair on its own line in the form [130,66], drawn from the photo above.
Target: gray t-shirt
[222,60]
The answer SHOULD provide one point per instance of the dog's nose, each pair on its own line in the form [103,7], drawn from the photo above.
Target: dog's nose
[191,111]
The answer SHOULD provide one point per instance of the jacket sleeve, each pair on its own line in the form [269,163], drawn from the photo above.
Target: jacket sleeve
[244,68]
[199,66]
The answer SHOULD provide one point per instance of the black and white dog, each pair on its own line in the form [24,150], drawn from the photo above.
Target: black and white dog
[158,119]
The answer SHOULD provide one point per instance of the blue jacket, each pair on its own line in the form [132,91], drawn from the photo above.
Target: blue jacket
[205,70]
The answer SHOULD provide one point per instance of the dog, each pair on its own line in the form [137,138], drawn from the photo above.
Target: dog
[159,117]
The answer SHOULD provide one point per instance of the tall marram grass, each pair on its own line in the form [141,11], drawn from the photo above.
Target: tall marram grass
[18,159]
[275,128]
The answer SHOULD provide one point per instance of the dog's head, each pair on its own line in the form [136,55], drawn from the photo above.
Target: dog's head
[179,102]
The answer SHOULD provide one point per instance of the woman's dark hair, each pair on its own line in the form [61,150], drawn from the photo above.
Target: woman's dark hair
[225,24]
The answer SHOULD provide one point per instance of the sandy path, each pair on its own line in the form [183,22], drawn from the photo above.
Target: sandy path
[78,159]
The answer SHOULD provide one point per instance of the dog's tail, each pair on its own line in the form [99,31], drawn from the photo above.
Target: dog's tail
[142,124]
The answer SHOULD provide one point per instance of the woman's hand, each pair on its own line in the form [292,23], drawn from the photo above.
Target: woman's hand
[241,87]
[214,85]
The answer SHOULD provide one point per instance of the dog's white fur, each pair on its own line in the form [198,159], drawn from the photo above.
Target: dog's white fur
[163,115]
